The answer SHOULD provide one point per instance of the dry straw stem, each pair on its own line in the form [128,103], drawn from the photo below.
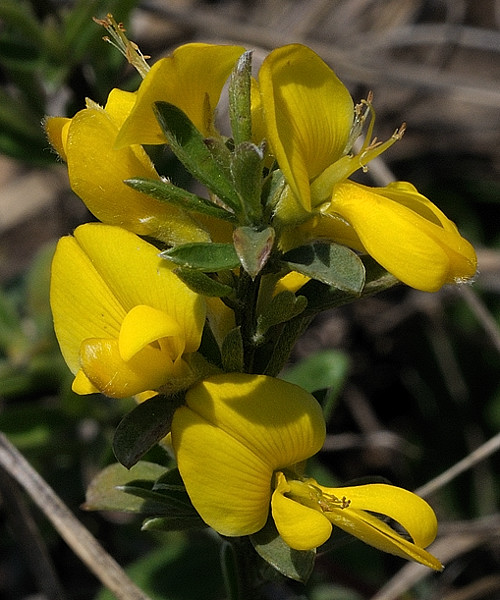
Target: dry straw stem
[80,540]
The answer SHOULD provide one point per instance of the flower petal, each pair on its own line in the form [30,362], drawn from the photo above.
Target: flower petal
[192,79]
[137,276]
[82,385]
[97,171]
[417,251]
[409,510]
[56,129]
[119,105]
[301,527]
[144,325]
[308,114]
[101,362]
[280,422]
[229,485]
[82,304]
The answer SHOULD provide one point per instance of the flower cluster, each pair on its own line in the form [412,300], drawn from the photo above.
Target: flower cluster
[205,310]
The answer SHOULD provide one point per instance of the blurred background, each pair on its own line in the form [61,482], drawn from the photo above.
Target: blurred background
[413,378]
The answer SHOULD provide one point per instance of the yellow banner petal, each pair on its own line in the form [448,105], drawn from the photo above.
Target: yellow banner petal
[191,79]
[280,422]
[308,114]
[97,171]
[83,306]
[137,276]
[229,485]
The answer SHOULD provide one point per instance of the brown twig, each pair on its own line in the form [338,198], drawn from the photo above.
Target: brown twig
[80,540]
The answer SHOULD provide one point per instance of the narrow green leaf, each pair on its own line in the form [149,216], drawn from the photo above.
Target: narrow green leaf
[189,146]
[207,257]
[333,264]
[283,307]
[174,522]
[165,191]
[294,564]
[202,284]
[143,427]
[103,492]
[246,171]
[155,502]
[239,99]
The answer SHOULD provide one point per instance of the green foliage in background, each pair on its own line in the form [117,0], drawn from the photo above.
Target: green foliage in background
[49,61]
[431,375]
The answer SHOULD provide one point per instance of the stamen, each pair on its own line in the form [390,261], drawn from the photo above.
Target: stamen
[361,112]
[119,40]
[326,502]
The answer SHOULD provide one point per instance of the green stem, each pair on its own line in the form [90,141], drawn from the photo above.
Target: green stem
[290,333]
[248,290]
[239,569]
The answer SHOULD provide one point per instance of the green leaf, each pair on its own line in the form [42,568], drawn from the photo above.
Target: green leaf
[322,370]
[189,146]
[246,170]
[283,307]
[326,369]
[103,492]
[233,359]
[143,427]
[322,297]
[333,264]
[202,284]
[239,99]
[294,564]
[174,522]
[167,500]
[165,191]
[208,257]
[253,248]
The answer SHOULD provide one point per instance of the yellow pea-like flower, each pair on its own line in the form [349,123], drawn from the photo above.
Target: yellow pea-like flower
[250,432]
[97,171]
[124,321]
[310,123]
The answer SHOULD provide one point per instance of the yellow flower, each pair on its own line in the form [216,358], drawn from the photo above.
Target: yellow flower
[311,126]
[125,323]
[97,170]
[192,79]
[249,433]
